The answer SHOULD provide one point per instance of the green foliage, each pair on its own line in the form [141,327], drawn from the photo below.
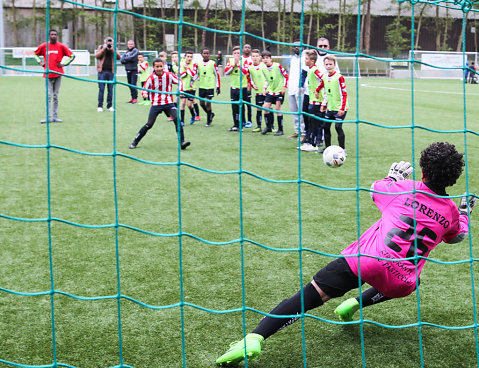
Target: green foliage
[396,38]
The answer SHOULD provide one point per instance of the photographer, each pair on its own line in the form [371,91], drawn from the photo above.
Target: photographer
[106,55]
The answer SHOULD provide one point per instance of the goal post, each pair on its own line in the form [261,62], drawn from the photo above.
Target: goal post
[440,64]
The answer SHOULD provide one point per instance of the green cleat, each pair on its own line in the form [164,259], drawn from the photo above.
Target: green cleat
[235,353]
[346,309]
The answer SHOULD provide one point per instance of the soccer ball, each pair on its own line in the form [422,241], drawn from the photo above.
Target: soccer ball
[334,156]
[144,94]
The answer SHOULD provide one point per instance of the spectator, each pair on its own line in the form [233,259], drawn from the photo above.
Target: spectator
[130,60]
[106,55]
[295,91]
[56,52]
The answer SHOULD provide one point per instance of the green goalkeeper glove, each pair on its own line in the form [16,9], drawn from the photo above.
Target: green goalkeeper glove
[466,204]
[400,171]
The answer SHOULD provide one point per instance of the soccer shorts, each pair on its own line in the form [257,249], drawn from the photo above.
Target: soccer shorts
[260,99]
[274,98]
[336,279]
[333,115]
[206,93]
[235,94]
[191,92]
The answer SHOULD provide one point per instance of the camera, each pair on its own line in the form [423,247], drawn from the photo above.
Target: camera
[108,45]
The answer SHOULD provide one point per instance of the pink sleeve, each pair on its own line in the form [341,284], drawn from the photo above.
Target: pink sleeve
[384,186]
[459,232]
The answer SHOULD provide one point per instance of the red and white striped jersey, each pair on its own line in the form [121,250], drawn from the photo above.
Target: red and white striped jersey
[161,84]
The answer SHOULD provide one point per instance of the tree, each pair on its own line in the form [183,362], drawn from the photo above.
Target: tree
[205,24]
[395,35]
[197,5]
[419,24]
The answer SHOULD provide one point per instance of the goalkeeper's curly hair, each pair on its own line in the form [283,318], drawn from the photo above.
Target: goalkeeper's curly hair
[441,164]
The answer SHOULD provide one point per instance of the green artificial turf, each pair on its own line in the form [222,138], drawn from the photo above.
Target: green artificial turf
[226,186]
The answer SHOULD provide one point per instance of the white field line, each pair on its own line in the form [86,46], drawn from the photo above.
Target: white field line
[420,90]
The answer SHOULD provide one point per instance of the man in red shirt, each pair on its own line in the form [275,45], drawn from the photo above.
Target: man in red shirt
[56,52]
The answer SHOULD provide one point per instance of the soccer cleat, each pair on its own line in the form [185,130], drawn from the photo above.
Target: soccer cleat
[279,132]
[233,129]
[257,129]
[293,136]
[249,124]
[185,144]
[212,116]
[43,121]
[266,130]
[131,101]
[207,125]
[192,120]
[171,119]
[197,118]
[111,109]
[307,147]
[57,120]
[236,352]
[321,150]
[132,145]
[134,101]
[346,309]
[100,109]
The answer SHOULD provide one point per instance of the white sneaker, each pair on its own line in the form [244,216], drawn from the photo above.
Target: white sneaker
[111,109]
[307,147]
[100,109]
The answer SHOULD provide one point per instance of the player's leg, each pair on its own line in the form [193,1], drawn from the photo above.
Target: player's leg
[339,129]
[305,108]
[234,95]
[134,91]
[332,281]
[154,111]
[172,112]
[268,115]
[190,105]
[346,309]
[243,108]
[279,116]
[259,113]
[197,109]
[247,98]
[182,109]
[49,97]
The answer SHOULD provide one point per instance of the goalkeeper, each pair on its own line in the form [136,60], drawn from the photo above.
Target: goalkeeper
[410,224]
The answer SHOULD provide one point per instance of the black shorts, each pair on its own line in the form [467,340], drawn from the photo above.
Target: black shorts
[206,93]
[260,99]
[235,94]
[336,279]
[333,115]
[274,98]
[191,92]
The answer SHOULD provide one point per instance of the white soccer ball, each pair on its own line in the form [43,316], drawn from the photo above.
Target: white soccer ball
[334,156]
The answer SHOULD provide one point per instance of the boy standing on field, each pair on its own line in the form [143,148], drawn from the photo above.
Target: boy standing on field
[143,73]
[161,101]
[337,102]
[277,79]
[316,92]
[188,75]
[257,81]
[238,73]
[209,80]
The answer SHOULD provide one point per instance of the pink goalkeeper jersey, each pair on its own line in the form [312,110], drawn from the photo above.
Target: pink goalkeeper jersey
[392,237]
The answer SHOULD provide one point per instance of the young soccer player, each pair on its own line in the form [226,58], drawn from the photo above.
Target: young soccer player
[144,73]
[257,81]
[247,61]
[161,81]
[235,68]
[188,75]
[277,79]
[209,80]
[337,102]
[316,92]
[411,224]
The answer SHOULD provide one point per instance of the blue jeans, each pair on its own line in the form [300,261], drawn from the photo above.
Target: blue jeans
[105,76]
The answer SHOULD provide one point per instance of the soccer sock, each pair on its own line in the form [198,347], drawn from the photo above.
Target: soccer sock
[280,122]
[197,110]
[192,111]
[341,136]
[203,107]
[141,133]
[372,296]
[182,115]
[208,117]
[269,120]
[259,116]
[270,325]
